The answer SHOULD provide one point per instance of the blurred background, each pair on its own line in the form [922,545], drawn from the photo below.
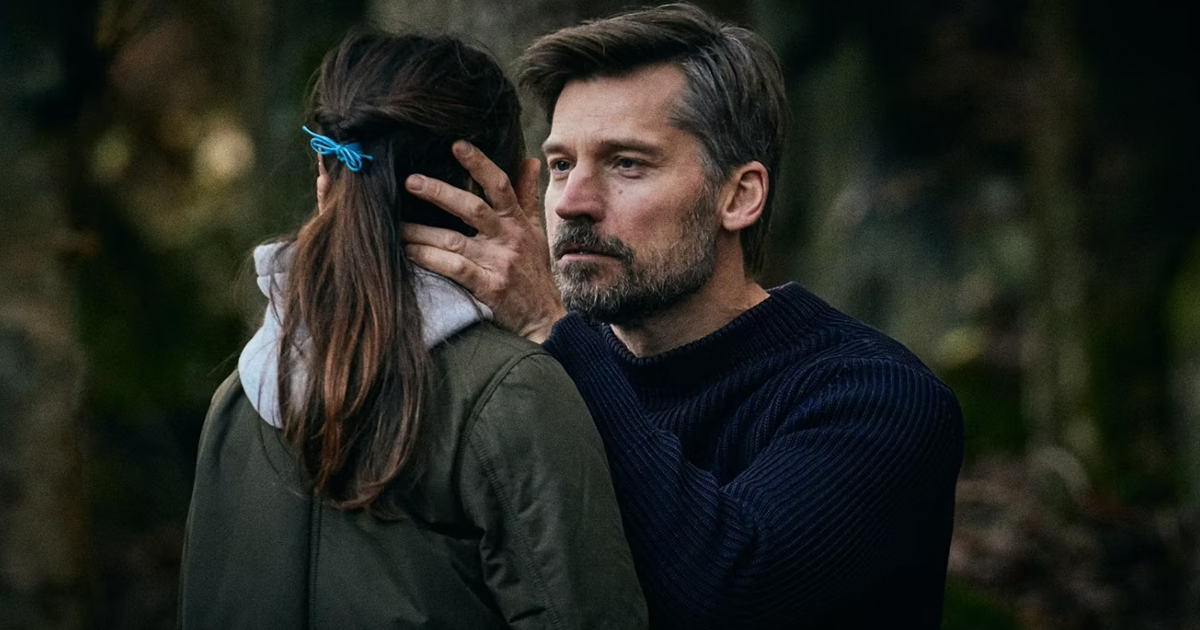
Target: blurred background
[1001,185]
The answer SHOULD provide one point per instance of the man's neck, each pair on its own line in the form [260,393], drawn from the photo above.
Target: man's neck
[696,316]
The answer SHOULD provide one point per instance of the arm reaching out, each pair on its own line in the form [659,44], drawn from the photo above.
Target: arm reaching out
[507,264]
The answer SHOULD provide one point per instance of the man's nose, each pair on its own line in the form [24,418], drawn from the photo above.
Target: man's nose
[582,195]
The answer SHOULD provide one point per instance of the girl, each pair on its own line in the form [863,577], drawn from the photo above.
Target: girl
[384,455]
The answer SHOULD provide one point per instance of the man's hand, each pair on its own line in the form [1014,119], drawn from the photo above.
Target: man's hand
[507,264]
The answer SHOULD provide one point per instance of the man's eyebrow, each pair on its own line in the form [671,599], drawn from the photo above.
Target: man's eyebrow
[551,146]
[616,145]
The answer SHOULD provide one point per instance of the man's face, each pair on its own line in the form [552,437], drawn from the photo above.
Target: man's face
[630,210]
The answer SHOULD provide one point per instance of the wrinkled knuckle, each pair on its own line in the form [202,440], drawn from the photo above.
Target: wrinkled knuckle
[456,242]
[501,184]
[501,284]
[458,267]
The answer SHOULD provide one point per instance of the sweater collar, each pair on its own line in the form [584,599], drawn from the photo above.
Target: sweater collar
[762,330]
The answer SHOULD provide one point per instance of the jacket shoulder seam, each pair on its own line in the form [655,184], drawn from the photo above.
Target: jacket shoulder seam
[497,486]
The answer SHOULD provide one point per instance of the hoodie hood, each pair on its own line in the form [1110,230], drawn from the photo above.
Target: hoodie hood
[446,308]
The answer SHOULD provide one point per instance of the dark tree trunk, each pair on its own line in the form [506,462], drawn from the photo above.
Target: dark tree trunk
[47,74]
[1063,436]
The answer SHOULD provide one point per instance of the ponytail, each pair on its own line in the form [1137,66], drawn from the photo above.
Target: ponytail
[354,372]
[354,331]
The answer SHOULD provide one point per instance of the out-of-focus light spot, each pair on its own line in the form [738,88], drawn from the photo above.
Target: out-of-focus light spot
[224,154]
[960,346]
[850,207]
[111,155]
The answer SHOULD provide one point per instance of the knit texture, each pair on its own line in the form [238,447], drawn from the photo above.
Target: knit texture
[795,469]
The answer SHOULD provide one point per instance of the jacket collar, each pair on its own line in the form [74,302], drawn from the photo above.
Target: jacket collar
[446,309]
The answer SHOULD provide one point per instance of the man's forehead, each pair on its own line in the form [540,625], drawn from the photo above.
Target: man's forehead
[629,109]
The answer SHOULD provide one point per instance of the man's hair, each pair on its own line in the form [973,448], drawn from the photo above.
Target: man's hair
[733,101]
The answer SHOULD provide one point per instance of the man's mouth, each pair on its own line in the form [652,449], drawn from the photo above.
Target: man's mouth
[578,242]
[577,252]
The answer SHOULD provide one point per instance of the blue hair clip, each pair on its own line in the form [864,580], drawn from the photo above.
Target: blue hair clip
[351,153]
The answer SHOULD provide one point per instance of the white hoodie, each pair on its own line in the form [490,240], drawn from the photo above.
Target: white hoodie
[446,308]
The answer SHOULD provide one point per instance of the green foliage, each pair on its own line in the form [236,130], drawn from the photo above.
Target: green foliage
[967,608]
[990,400]
[1184,307]
[155,356]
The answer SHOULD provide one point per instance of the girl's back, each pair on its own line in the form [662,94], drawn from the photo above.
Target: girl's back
[510,523]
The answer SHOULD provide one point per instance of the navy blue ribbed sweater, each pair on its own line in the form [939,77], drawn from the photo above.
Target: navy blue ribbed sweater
[795,469]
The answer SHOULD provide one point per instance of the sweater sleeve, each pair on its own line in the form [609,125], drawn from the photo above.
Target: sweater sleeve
[855,487]
[535,481]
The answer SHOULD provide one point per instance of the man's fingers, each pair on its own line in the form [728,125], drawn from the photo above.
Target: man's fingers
[462,204]
[527,189]
[492,178]
[441,238]
[454,266]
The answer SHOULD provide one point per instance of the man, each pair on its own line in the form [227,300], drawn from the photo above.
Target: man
[777,463]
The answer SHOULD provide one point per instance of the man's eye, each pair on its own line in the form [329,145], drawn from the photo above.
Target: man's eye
[559,165]
[626,162]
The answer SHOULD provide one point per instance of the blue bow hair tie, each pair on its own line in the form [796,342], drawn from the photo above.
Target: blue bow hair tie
[351,154]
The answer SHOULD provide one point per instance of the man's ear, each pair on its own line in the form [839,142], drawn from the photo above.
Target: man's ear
[744,196]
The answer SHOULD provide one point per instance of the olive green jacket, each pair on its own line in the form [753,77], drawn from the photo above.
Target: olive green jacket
[511,522]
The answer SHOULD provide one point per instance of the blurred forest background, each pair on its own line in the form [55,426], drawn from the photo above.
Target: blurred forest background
[1003,185]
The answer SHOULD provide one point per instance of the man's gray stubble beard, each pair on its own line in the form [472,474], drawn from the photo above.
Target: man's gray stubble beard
[647,286]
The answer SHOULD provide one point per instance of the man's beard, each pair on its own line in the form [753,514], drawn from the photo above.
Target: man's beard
[648,283]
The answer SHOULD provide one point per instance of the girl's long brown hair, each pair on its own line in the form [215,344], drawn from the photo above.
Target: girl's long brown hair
[352,351]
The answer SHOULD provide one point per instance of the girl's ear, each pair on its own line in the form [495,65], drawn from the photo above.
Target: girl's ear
[322,185]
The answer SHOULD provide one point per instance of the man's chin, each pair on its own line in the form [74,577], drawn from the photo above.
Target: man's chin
[590,296]
[583,276]
[623,303]
[578,296]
